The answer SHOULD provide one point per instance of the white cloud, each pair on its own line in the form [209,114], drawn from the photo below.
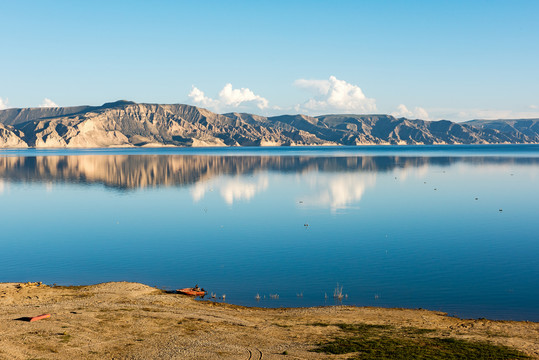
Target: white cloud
[320,86]
[534,107]
[199,98]
[235,97]
[228,98]
[48,103]
[3,104]
[334,95]
[416,113]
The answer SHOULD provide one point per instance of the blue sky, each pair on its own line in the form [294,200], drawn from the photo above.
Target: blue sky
[427,59]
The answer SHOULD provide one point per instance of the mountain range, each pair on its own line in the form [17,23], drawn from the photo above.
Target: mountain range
[126,124]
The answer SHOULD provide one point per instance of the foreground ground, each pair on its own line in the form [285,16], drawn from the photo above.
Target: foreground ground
[134,321]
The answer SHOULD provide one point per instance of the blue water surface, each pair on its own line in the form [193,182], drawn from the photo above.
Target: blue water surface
[450,228]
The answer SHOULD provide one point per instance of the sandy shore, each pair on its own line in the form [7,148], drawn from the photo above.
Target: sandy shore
[134,321]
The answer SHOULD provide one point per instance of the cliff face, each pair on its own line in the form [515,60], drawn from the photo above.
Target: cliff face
[125,123]
[11,138]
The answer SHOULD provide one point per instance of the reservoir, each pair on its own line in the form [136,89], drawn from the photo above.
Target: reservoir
[449,228]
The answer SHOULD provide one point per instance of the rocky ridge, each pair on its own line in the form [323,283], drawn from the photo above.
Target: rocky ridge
[128,124]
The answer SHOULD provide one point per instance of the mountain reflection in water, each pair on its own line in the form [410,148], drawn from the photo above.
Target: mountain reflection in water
[124,172]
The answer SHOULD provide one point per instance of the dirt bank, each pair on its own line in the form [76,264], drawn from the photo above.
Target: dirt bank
[134,321]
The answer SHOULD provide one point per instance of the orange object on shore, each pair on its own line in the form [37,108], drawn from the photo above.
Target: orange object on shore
[44,316]
[192,292]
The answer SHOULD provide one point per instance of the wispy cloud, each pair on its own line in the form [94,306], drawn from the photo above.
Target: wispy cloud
[483,114]
[416,113]
[334,95]
[229,98]
[48,103]
[3,104]
[486,114]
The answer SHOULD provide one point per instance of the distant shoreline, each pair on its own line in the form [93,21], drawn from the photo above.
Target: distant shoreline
[291,148]
[218,301]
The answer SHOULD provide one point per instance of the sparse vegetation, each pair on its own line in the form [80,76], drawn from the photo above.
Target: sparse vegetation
[387,342]
[337,293]
[282,325]
[64,337]
[319,324]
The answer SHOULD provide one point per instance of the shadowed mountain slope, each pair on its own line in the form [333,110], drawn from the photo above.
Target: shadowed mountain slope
[526,130]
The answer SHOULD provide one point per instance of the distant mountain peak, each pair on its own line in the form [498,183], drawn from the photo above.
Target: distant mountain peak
[118,103]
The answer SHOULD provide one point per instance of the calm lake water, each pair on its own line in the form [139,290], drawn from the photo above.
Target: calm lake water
[451,228]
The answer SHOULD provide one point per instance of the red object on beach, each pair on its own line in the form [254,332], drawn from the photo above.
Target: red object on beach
[44,316]
[191,291]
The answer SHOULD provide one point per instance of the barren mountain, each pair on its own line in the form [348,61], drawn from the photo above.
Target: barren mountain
[525,129]
[125,123]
